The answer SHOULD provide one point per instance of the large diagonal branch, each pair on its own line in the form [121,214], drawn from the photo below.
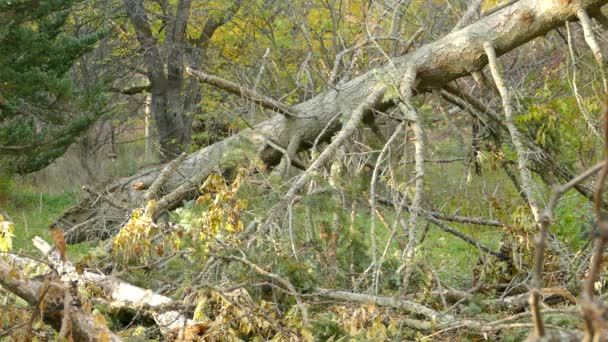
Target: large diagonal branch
[456,55]
[356,117]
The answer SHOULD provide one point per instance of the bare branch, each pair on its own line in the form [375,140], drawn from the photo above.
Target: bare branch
[591,311]
[243,92]
[152,192]
[410,113]
[408,306]
[522,155]
[593,44]
[464,237]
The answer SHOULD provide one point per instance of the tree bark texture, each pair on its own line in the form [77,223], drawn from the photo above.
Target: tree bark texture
[173,99]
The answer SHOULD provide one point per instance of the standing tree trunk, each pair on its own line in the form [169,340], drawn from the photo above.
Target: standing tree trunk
[172,100]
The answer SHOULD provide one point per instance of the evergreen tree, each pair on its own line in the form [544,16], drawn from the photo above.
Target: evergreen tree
[40,114]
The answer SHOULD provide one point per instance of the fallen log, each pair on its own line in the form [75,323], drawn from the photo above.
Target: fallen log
[119,292]
[455,55]
[50,296]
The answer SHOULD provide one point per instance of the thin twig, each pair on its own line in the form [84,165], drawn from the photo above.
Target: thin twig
[241,91]
[592,327]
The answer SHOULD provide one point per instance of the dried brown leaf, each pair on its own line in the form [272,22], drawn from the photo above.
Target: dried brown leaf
[139,186]
[60,244]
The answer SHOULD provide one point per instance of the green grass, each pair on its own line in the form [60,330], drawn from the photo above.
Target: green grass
[32,212]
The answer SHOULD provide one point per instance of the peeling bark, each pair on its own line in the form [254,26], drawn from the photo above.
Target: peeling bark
[50,296]
[119,292]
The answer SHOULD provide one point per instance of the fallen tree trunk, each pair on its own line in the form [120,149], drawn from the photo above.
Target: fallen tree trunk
[456,55]
[120,293]
[50,296]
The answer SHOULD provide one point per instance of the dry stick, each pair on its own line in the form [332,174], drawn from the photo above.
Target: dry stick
[522,158]
[163,177]
[257,81]
[464,219]
[408,306]
[106,198]
[241,91]
[284,282]
[438,161]
[372,100]
[407,89]
[593,330]
[540,243]
[291,238]
[372,201]
[577,96]
[462,236]
[572,311]
[435,217]
[592,43]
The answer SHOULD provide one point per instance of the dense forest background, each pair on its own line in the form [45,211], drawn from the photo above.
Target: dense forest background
[319,170]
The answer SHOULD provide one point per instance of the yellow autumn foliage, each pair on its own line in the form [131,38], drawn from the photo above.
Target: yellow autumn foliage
[7,230]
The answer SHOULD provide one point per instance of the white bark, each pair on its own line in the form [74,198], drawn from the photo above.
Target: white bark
[411,113]
[522,152]
[593,44]
[83,325]
[121,293]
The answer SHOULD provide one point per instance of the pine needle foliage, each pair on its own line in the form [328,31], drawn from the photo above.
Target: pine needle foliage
[40,113]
